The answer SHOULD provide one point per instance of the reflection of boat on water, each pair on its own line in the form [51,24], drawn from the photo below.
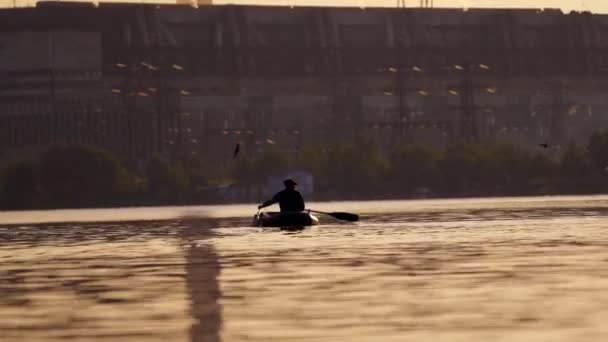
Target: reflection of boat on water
[286,219]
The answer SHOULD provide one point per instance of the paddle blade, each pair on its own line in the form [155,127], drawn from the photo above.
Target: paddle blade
[345,216]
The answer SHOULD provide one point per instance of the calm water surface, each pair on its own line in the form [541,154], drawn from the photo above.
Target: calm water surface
[528,269]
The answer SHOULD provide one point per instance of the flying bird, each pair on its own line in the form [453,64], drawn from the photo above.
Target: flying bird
[545,145]
[236,150]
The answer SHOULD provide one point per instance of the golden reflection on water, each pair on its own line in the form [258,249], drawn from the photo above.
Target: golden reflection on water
[495,270]
[104,288]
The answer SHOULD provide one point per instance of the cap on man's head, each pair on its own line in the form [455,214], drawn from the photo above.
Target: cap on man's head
[289,182]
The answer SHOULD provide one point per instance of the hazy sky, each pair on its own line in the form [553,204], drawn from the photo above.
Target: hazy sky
[567,5]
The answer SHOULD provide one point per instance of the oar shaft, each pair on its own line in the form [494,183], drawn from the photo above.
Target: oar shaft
[318,212]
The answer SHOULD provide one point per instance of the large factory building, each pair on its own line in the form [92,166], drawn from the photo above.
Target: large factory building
[145,79]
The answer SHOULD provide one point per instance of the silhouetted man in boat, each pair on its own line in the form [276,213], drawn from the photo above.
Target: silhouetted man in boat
[289,199]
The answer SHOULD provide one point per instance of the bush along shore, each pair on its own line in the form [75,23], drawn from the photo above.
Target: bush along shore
[73,175]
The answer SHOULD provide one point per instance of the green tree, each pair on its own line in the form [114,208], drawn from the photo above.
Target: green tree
[461,167]
[356,168]
[244,171]
[500,167]
[166,181]
[414,166]
[573,163]
[81,175]
[196,170]
[255,170]
[493,169]
[19,185]
[576,171]
[536,173]
[598,150]
[313,159]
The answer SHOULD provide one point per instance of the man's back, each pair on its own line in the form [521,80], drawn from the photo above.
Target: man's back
[290,200]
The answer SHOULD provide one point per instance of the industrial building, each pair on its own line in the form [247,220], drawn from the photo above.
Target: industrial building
[143,79]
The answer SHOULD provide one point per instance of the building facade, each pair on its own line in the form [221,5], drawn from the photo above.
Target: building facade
[145,79]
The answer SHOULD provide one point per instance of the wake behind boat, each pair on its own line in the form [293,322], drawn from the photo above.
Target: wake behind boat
[285,219]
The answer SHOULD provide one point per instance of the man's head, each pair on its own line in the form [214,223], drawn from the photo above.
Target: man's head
[290,183]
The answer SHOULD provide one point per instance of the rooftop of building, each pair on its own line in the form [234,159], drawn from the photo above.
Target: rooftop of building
[206,4]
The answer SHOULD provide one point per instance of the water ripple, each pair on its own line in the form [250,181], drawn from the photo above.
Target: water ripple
[488,271]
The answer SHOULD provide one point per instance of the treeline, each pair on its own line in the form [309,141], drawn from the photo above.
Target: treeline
[87,176]
[361,171]
[464,170]
[73,176]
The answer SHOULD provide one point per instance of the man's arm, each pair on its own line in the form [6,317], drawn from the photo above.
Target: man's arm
[273,200]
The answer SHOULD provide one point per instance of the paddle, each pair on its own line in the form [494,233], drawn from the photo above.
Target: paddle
[340,216]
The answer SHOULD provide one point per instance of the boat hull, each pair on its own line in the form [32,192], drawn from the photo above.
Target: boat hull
[288,219]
